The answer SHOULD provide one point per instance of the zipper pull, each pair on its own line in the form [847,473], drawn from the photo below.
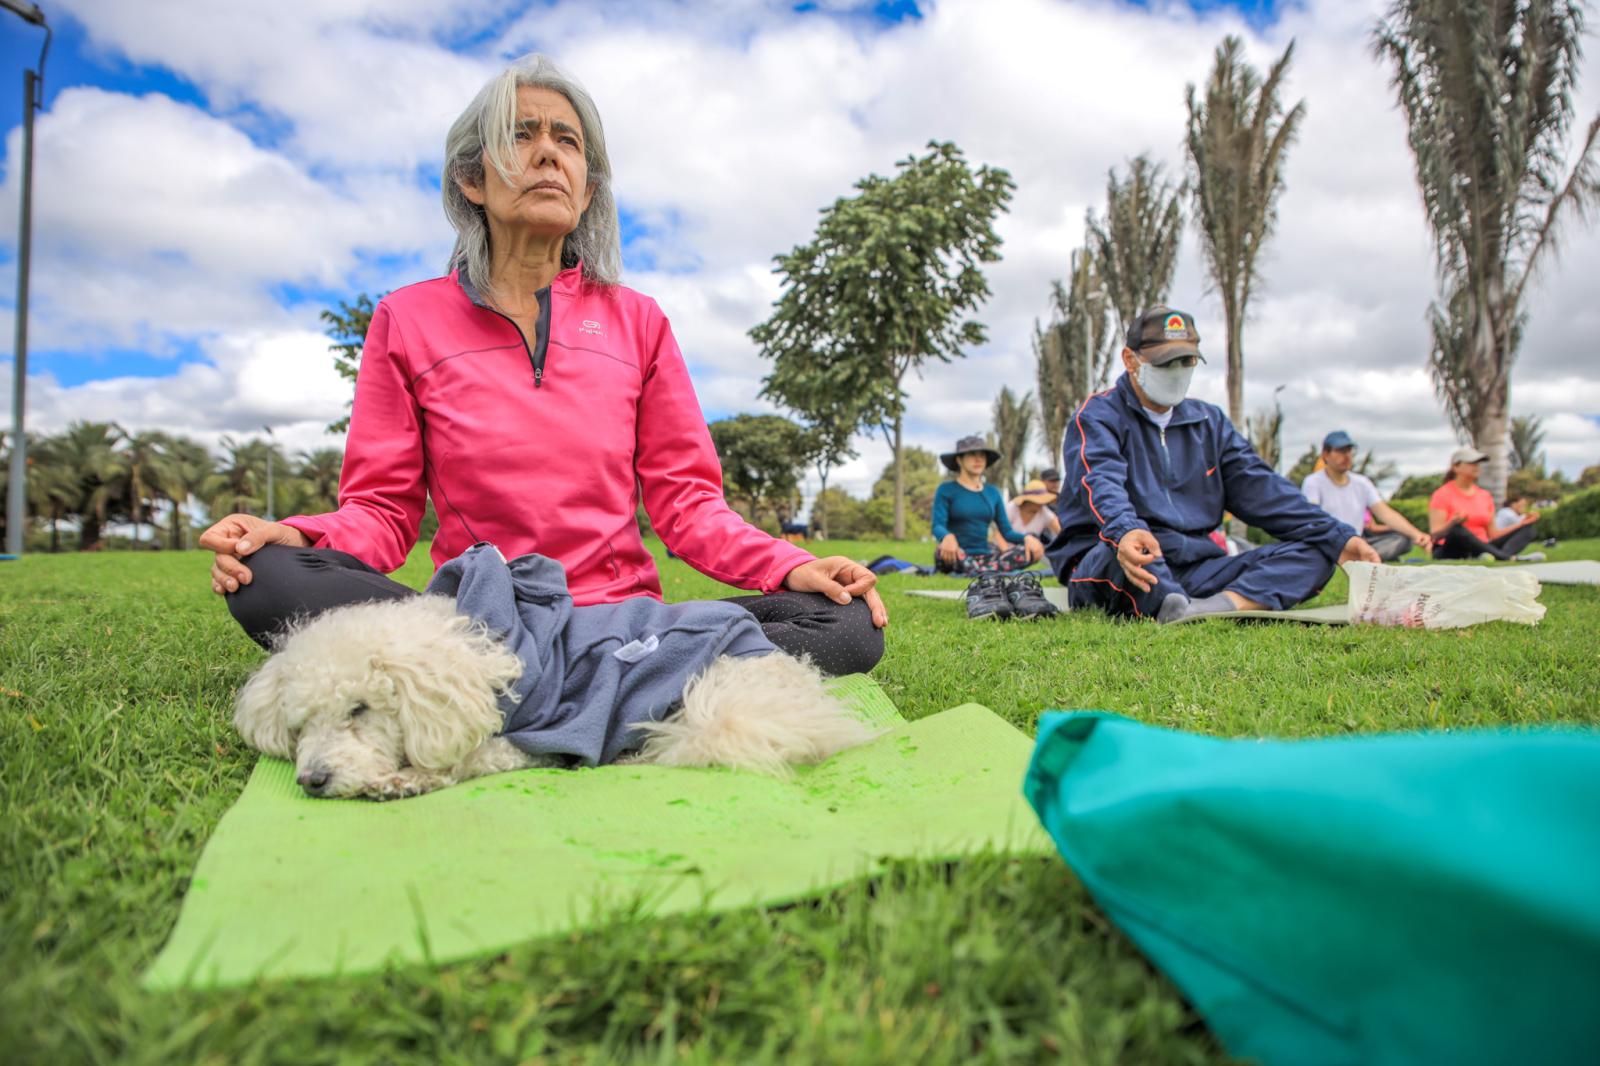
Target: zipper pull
[538,376]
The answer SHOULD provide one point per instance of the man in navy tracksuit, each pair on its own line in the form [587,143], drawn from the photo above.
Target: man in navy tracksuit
[1147,475]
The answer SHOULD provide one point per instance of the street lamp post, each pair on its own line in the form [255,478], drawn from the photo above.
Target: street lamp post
[32,100]
[272,444]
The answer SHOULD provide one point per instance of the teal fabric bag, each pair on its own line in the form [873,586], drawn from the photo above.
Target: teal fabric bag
[1387,899]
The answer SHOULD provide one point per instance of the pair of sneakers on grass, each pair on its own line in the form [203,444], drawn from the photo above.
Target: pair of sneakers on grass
[1013,595]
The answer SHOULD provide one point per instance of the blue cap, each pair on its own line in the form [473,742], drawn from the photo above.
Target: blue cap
[1337,439]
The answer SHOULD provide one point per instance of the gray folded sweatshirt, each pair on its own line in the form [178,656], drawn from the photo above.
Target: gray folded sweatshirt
[589,673]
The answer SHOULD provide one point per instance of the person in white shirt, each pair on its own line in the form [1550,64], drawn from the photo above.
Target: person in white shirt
[1350,497]
[1031,511]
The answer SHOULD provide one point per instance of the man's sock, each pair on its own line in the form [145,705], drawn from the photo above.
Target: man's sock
[1193,608]
[1172,607]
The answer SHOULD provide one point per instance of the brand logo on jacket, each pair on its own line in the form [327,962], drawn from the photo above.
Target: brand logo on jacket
[591,327]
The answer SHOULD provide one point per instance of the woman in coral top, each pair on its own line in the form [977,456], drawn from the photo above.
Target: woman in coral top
[538,402]
[1461,516]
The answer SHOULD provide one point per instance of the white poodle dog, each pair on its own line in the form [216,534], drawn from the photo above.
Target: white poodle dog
[401,697]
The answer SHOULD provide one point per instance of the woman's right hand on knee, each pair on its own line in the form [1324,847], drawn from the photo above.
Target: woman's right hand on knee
[949,550]
[237,536]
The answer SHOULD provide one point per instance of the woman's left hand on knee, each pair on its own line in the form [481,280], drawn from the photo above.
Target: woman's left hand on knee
[840,579]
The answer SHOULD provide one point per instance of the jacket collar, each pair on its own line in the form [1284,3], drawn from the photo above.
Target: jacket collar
[1186,412]
[566,283]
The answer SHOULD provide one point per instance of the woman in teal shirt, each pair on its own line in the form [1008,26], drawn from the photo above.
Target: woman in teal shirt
[963,510]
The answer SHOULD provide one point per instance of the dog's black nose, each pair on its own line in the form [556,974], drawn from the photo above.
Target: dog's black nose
[314,781]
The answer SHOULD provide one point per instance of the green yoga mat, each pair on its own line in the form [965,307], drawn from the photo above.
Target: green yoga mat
[290,886]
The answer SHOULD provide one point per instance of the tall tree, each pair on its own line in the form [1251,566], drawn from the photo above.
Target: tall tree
[320,470]
[89,450]
[1072,352]
[1013,432]
[239,482]
[1265,431]
[1487,91]
[143,456]
[831,408]
[886,282]
[347,325]
[184,474]
[1527,441]
[1238,135]
[1135,246]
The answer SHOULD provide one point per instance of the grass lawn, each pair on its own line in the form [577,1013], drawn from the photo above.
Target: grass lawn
[116,760]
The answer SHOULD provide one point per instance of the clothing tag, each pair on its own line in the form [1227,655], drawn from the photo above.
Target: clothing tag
[635,650]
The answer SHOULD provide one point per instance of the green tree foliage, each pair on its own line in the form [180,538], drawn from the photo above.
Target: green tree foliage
[886,284]
[1306,465]
[1013,432]
[97,473]
[1073,351]
[1578,516]
[1487,91]
[1590,476]
[1418,486]
[347,325]
[762,457]
[1135,246]
[319,470]
[830,407]
[1527,441]
[1265,431]
[1238,136]
[923,474]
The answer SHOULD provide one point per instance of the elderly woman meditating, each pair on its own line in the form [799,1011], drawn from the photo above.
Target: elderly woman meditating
[537,401]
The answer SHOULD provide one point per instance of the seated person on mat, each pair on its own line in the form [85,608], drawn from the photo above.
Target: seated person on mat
[1349,496]
[962,510]
[1150,474]
[1462,520]
[1031,511]
[531,328]
[1052,480]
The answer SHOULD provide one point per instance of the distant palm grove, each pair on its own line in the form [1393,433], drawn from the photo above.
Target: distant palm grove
[157,490]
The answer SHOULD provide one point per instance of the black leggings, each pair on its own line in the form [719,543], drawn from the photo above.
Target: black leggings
[294,583]
[1458,542]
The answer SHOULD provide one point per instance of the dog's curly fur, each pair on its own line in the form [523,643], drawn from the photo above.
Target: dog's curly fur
[401,697]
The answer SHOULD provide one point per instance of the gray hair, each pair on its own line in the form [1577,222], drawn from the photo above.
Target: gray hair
[487,128]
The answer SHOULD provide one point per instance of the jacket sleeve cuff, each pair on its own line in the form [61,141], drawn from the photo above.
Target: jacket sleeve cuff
[310,526]
[787,561]
[1115,531]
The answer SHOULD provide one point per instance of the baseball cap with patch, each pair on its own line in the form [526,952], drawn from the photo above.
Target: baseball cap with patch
[1161,335]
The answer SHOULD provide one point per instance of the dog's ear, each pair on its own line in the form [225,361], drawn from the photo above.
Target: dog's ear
[259,712]
[448,690]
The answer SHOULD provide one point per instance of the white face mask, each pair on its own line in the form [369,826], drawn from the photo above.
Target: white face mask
[1165,385]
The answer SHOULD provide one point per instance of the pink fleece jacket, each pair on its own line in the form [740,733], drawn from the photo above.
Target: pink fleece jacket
[538,448]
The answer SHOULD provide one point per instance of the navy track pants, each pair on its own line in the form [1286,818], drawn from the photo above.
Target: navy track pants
[1278,575]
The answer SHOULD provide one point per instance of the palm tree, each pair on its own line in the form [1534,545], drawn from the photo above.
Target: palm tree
[238,482]
[1527,441]
[52,484]
[98,473]
[1238,136]
[1013,431]
[1070,365]
[320,471]
[1487,92]
[143,455]
[187,468]
[1135,247]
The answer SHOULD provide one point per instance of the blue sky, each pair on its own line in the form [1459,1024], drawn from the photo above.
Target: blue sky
[186,293]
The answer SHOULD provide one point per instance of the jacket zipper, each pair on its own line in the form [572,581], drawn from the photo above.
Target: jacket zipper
[541,334]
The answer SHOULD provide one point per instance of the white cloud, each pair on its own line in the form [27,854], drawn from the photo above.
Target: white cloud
[731,125]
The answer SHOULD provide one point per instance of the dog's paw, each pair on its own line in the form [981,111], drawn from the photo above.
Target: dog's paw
[399,786]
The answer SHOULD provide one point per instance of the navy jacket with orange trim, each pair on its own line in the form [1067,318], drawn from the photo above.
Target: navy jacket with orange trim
[1120,471]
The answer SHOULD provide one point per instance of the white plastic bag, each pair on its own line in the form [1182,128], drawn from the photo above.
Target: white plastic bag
[1441,597]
